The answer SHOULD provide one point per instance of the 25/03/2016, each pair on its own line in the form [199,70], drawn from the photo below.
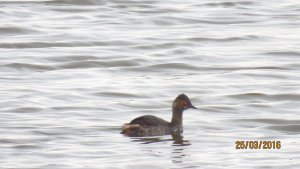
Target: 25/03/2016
[257,145]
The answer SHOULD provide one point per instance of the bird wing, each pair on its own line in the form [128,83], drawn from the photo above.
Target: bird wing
[149,120]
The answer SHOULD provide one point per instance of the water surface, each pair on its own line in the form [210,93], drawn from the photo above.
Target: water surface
[72,72]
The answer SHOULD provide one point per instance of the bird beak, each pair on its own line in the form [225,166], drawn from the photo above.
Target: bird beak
[193,107]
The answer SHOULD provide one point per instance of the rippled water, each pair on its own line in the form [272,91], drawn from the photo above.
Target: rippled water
[72,72]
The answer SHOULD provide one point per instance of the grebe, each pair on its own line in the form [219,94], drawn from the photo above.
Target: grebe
[149,125]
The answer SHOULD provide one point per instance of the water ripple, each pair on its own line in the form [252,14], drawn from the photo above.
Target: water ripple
[73,71]
[26,66]
[230,4]
[263,96]
[286,128]
[98,64]
[14,30]
[29,45]
[227,39]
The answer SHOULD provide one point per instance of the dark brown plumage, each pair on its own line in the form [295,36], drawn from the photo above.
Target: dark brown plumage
[149,125]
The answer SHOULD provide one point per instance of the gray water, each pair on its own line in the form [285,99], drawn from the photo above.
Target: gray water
[73,71]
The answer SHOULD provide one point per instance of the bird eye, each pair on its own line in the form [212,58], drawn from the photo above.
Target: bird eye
[185,103]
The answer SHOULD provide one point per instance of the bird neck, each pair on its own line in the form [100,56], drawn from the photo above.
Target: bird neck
[176,122]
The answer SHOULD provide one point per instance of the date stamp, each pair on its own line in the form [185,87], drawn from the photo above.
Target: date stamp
[257,145]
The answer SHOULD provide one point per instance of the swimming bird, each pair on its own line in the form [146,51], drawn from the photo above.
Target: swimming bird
[149,125]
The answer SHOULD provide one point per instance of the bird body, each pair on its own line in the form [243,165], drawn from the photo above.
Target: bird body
[149,125]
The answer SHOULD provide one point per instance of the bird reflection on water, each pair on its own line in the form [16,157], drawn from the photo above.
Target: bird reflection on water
[176,138]
[178,152]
